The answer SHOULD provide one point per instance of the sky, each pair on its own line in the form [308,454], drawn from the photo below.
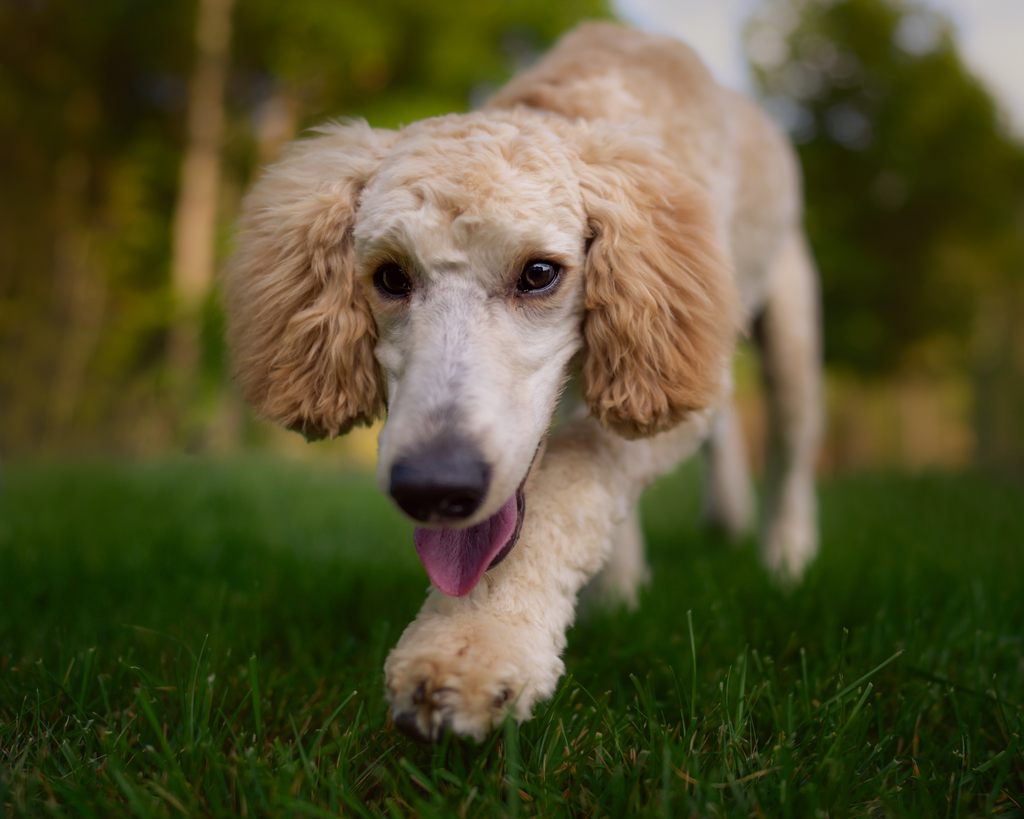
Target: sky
[990,36]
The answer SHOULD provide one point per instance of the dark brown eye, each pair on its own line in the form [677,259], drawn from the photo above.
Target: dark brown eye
[391,280]
[537,275]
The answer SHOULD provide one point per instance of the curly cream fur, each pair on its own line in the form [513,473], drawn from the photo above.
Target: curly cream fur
[662,312]
[671,209]
[300,329]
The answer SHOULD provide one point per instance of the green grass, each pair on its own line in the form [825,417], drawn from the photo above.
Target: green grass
[205,638]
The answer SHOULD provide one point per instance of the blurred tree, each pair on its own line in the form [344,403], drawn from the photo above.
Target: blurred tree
[93,130]
[89,107]
[195,215]
[915,195]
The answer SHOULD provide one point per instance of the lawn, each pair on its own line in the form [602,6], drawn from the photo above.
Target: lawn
[204,638]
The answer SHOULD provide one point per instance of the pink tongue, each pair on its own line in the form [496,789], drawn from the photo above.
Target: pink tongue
[456,559]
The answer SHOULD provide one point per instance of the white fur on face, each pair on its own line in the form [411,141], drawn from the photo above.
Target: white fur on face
[461,207]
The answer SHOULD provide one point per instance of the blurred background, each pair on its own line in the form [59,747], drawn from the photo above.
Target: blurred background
[130,131]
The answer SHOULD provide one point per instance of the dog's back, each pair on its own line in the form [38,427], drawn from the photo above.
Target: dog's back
[601,72]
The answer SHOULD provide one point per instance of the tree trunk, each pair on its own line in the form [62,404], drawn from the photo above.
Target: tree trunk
[999,374]
[195,217]
[80,295]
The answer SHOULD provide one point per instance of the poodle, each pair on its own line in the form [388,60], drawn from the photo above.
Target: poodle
[610,220]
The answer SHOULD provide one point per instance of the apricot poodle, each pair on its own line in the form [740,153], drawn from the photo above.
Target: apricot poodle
[612,219]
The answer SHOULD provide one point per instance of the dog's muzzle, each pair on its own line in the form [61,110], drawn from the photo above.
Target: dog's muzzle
[442,485]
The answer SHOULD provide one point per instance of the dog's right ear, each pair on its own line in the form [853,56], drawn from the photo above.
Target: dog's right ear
[299,327]
[662,313]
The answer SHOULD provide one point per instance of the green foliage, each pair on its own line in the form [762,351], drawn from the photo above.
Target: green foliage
[914,189]
[397,60]
[92,110]
[89,171]
[205,638]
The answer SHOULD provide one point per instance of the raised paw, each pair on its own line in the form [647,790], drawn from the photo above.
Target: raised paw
[463,673]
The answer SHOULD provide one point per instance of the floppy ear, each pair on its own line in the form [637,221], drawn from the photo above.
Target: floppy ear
[299,327]
[661,308]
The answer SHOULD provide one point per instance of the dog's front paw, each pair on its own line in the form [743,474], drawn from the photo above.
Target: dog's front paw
[463,673]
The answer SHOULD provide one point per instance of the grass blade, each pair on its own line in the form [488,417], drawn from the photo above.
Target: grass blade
[254,681]
[856,684]
[693,651]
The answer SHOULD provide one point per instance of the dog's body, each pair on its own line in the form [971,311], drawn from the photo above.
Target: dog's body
[612,208]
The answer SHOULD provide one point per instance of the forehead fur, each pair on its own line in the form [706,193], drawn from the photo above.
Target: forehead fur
[468,175]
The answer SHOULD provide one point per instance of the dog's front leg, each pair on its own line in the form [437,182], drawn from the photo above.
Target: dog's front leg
[465,662]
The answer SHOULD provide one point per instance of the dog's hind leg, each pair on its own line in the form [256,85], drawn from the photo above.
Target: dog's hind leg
[728,493]
[626,571]
[789,334]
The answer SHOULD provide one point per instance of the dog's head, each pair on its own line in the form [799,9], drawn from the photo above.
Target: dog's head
[448,274]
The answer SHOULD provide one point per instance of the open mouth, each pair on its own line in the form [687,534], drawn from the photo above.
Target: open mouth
[456,559]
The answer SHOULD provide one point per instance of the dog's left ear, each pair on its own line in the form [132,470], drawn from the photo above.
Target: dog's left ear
[662,312]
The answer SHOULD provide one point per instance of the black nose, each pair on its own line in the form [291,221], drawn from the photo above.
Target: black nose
[446,481]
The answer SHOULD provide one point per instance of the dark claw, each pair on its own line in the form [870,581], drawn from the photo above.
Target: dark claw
[408,723]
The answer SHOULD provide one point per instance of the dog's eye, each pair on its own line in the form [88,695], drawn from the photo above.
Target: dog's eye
[537,275]
[391,280]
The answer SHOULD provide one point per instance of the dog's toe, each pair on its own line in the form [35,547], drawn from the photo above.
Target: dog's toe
[422,715]
[416,720]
